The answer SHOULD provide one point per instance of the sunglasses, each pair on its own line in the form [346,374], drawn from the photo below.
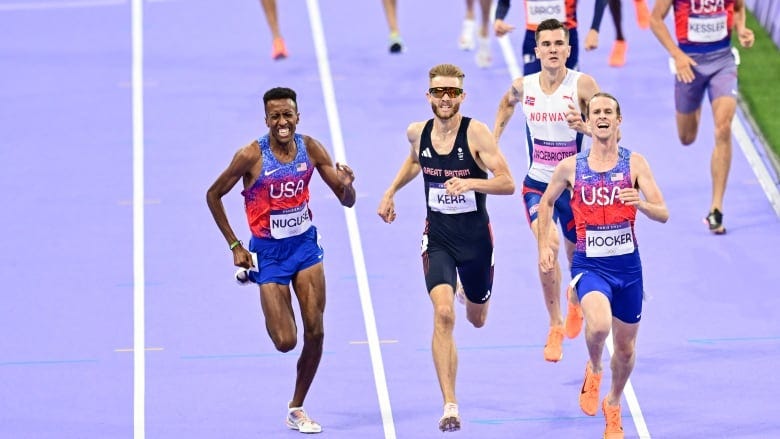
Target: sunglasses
[439,92]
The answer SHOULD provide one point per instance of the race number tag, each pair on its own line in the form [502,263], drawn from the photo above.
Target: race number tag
[440,201]
[707,28]
[290,222]
[550,153]
[539,10]
[609,240]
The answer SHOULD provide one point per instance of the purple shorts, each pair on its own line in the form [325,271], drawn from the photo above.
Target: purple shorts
[716,73]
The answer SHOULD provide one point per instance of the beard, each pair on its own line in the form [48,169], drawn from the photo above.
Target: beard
[437,112]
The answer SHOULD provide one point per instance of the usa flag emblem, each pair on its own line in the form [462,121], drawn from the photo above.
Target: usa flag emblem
[301,167]
[529,100]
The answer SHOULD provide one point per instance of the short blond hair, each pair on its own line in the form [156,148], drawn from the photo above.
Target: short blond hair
[448,71]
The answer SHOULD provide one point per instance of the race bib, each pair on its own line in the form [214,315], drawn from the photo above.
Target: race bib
[550,153]
[290,222]
[539,10]
[707,28]
[440,201]
[609,240]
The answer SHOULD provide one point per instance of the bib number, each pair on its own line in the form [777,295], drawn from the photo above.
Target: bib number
[550,153]
[609,240]
[539,10]
[708,28]
[440,201]
[290,222]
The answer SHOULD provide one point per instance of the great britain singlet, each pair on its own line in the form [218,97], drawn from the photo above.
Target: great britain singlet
[451,216]
[703,25]
[537,11]
[277,204]
[550,139]
[605,226]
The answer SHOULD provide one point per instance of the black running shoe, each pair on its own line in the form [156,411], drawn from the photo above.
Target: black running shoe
[396,44]
[715,222]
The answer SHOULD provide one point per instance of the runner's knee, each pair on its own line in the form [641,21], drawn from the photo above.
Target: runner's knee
[723,132]
[283,341]
[315,335]
[687,138]
[444,316]
[477,319]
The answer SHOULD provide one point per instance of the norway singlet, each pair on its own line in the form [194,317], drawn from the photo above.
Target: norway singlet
[703,25]
[549,138]
[277,204]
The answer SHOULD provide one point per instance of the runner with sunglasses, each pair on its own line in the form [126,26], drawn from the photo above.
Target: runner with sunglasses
[552,101]
[454,154]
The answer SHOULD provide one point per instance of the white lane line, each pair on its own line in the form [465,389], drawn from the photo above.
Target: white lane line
[633,402]
[32,6]
[352,225]
[139,276]
[628,392]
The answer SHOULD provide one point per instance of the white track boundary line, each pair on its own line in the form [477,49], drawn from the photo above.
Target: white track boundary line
[758,166]
[352,225]
[139,276]
[631,399]
[628,392]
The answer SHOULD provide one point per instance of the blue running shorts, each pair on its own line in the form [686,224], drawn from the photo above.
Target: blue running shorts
[280,259]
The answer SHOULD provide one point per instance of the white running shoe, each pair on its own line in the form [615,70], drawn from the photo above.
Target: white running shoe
[484,57]
[450,420]
[242,276]
[297,419]
[469,29]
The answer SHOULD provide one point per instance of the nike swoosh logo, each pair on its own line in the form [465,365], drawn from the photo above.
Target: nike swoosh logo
[267,173]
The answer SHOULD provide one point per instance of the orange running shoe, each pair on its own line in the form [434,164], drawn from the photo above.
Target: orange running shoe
[642,14]
[278,50]
[618,56]
[553,349]
[614,428]
[589,395]
[574,316]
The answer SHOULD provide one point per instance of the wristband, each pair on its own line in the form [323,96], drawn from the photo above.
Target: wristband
[235,244]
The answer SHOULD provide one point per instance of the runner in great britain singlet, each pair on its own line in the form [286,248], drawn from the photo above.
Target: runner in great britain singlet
[457,231]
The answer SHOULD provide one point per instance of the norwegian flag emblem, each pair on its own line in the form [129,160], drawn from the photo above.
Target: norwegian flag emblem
[301,167]
[529,100]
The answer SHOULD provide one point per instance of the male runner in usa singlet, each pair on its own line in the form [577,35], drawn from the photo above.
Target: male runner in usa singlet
[454,154]
[552,101]
[703,61]
[275,170]
[609,184]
